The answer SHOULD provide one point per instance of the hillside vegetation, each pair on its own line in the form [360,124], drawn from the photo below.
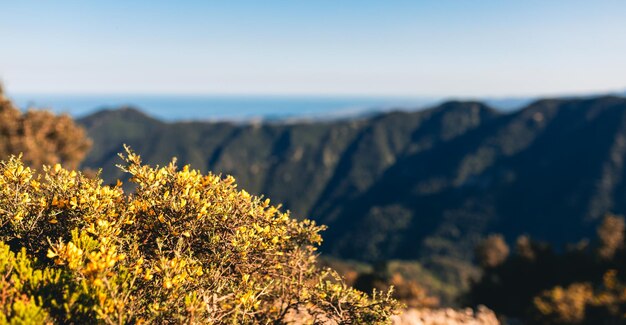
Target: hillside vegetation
[585,283]
[414,185]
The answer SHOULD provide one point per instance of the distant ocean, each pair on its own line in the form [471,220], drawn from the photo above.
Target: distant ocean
[175,108]
[236,108]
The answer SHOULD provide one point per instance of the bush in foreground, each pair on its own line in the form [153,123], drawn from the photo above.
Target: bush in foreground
[182,247]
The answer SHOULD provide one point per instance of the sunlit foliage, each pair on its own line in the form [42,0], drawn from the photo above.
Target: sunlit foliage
[563,305]
[582,303]
[182,247]
[583,284]
[492,251]
[610,235]
[408,291]
[41,136]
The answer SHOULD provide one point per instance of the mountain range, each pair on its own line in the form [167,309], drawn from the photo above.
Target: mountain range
[409,185]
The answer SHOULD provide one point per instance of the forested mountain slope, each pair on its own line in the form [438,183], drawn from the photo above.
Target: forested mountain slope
[408,184]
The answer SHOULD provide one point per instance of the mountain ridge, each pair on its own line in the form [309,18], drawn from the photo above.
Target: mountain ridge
[409,184]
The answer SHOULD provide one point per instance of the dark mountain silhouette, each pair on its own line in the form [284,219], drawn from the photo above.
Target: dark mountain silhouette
[409,184]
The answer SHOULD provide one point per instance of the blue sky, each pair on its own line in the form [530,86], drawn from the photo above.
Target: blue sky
[323,47]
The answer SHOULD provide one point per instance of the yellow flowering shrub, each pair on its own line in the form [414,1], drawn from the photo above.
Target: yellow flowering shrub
[180,247]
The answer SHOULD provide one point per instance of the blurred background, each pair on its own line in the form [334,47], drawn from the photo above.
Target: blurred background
[468,153]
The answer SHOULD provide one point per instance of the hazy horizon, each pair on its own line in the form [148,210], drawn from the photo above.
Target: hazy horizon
[184,107]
